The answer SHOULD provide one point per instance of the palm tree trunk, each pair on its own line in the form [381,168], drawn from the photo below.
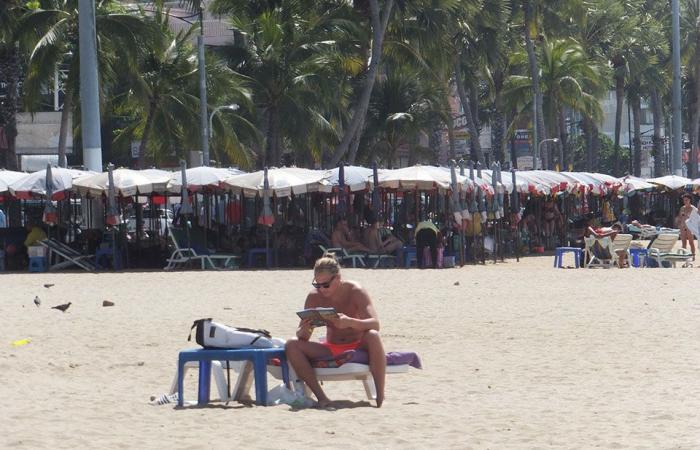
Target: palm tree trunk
[451,136]
[467,107]
[657,112]
[355,144]
[695,117]
[595,146]
[10,73]
[497,143]
[63,131]
[588,134]
[635,103]
[141,162]
[563,139]
[619,101]
[535,76]
[379,21]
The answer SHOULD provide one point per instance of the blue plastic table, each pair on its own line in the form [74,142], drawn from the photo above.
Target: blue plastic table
[559,256]
[260,251]
[258,356]
[638,256]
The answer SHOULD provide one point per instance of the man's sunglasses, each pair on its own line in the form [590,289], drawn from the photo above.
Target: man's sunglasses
[325,285]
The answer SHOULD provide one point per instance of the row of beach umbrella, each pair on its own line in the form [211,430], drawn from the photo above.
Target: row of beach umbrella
[287,181]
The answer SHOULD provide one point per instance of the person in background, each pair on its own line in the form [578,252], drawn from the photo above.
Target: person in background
[683,214]
[3,219]
[426,236]
[378,244]
[342,238]
[36,233]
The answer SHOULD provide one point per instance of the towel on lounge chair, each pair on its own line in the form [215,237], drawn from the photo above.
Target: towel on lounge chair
[362,357]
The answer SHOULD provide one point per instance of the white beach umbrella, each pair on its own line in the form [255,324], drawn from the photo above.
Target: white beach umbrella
[8,177]
[283,182]
[672,182]
[535,184]
[416,177]
[631,183]
[201,178]
[159,178]
[127,182]
[356,178]
[34,184]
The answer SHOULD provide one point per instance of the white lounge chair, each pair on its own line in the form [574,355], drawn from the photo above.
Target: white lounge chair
[183,255]
[346,372]
[342,255]
[621,245]
[599,251]
[661,250]
[70,256]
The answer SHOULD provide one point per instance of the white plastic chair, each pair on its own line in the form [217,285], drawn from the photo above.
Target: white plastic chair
[661,250]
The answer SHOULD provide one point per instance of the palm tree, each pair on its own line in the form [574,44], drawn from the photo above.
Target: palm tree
[10,73]
[569,80]
[690,47]
[52,31]
[297,58]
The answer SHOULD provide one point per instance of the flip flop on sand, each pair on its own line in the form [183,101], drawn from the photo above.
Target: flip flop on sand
[164,399]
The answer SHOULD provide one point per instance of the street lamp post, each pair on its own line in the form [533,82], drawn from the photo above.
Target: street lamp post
[231,107]
[539,149]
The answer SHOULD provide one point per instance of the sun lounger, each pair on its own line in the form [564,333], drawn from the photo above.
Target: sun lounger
[183,254]
[343,255]
[661,251]
[621,247]
[70,256]
[600,252]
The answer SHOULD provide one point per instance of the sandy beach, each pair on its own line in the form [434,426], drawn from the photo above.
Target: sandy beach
[516,355]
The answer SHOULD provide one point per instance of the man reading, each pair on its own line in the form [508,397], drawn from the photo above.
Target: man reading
[357,327]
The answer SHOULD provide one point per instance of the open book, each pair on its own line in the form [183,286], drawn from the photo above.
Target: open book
[318,316]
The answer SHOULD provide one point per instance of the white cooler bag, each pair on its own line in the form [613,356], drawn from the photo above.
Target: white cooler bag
[210,334]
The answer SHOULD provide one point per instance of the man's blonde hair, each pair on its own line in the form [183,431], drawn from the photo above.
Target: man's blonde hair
[328,264]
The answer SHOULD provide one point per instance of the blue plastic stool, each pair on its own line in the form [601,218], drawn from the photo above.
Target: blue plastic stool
[37,264]
[258,356]
[409,255]
[559,256]
[260,251]
[638,256]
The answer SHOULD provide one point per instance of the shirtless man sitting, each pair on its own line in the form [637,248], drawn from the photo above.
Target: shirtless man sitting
[341,238]
[357,327]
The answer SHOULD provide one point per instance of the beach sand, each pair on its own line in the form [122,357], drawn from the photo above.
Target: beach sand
[517,355]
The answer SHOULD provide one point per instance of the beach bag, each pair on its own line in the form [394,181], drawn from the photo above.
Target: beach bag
[211,334]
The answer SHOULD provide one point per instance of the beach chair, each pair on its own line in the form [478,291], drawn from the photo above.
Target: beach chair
[342,255]
[661,251]
[599,252]
[183,254]
[621,245]
[346,372]
[68,256]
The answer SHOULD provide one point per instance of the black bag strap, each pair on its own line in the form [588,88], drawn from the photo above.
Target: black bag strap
[260,332]
[228,380]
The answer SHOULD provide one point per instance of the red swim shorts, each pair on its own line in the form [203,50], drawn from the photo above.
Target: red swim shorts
[337,349]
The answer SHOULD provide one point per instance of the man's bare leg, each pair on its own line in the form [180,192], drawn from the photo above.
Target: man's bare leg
[372,343]
[299,354]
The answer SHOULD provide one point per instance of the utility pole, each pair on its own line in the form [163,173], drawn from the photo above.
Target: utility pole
[676,160]
[203,88]
[89,88]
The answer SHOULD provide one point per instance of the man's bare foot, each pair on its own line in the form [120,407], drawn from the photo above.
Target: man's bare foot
[324,403]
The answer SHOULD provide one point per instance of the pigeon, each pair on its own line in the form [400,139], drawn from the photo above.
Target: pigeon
[63,307]
[48,285]
[37,301]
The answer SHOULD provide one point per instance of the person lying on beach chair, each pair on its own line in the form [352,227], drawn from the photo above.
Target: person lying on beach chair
[341,238]
[356,327]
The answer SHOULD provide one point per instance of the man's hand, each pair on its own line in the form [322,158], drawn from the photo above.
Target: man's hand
[305,330]
[342,321]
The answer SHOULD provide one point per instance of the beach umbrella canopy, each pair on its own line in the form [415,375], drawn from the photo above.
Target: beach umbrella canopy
[201,178]
[283,182]
[356,178]
[34,184]
[631,183]
[159,178]
[125,183]
[671,182]
[50,215]
[8,177]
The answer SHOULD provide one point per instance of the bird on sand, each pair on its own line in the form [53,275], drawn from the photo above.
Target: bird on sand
[63,307]
[37,301]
